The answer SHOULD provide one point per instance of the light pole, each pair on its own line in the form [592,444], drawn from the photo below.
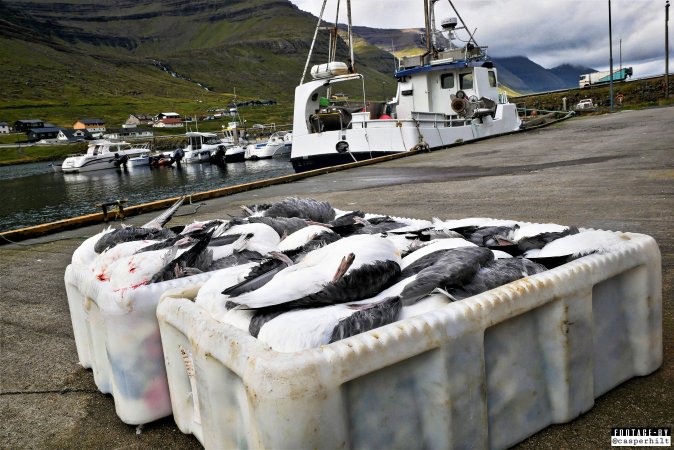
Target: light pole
[667,49]
[621,56]
[610,44]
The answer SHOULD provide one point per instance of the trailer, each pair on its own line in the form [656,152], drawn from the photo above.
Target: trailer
[590,79]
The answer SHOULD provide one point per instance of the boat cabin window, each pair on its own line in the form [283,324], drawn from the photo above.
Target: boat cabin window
[447,81]
[212,140]
[195,142]
[492,78]
[466,81]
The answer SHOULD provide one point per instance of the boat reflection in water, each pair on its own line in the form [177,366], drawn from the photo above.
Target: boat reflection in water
[39,195]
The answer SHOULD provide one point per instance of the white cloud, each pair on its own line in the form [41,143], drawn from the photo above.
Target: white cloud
[550,32]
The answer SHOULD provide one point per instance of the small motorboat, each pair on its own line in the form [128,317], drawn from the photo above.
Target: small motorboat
[278,144]
[102,154]
[201,146]
[141,160]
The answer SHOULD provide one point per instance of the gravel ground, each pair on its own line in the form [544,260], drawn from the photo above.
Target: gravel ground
[611,172]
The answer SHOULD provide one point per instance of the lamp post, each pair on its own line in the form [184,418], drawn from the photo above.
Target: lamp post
[621,56]
[667,49]
[610,43]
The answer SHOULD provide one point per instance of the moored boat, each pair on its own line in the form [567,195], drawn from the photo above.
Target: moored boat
[102,154]
[201,146]
[278,144]
[140,160]
[445,95]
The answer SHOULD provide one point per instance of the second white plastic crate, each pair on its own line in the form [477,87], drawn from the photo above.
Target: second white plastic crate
[484,372]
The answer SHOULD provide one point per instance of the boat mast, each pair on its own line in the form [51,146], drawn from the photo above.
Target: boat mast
[434,41]
[332,47]
[352,62]
[427,24]
[334,36]
[313,41]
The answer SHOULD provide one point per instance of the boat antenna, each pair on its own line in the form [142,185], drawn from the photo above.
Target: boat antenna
[472,38]
[313,41]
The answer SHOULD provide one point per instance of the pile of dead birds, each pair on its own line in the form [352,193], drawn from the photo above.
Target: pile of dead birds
[298,273]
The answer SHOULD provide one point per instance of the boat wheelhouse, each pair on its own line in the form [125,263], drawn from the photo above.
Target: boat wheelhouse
[446,95]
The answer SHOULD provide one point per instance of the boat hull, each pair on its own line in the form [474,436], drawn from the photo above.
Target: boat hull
[375,138]
[333,159]
[87,163]
[236,157]
[90,166]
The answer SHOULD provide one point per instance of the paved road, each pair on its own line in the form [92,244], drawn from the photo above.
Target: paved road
[613,172]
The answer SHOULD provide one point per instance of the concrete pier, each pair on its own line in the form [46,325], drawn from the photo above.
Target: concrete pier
[613,172]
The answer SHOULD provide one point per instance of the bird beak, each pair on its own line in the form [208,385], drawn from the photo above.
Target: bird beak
[343,267]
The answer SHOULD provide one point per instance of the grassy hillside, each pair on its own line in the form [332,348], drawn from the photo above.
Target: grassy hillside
[73,59]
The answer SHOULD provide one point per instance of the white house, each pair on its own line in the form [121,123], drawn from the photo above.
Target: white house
[138,119]
[167,115]
[73,135]
[4,128]
[168,122]
[125,133]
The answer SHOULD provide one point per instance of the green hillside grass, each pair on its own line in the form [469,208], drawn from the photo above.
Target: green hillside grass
[256,49]
[23,154]
[75,59]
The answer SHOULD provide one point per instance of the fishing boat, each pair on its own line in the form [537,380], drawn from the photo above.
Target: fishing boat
[447,94]
[278,144]
[235,143]
[102,154]
[201,146]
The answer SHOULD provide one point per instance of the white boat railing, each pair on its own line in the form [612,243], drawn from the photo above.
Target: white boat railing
[441,121]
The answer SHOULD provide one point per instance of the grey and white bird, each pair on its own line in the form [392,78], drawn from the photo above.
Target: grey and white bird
[304,208]
[152,230]
[349,269]
[568,248]
[302,329]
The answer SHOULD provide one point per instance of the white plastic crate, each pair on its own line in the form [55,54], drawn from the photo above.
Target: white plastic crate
[484,372]
[117,336]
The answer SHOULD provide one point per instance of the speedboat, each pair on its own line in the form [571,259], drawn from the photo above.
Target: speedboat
[447,94]
[102,154]
[201,146]
[140,160]
[278,144]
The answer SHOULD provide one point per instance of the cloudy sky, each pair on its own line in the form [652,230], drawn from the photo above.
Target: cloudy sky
[550,32]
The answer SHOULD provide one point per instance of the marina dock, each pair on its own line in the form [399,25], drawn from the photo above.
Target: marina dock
[612,172]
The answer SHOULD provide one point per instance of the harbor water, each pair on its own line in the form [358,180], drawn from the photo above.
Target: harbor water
[34,194]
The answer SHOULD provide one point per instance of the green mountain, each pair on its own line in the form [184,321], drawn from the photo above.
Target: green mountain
[61,61]
[75,58]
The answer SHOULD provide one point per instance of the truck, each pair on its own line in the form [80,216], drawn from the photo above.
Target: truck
[586,103]
[591,79]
